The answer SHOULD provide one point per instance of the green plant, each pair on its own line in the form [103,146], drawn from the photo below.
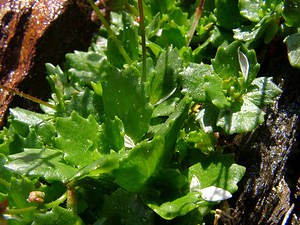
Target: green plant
[130,137]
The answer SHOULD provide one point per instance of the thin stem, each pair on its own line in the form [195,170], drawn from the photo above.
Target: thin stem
[195,21]
[29,97]
[19,211]
[110,32]
[58,201]
[142,26]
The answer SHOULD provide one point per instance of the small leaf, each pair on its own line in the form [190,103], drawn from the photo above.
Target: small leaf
[244,64]
[193,80]
[293,47]
[124,96]
[178,207]
[291,10]
[78,138]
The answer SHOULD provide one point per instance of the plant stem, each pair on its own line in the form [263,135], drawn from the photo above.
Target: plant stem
[19,211]
[142,26]
[195,21]
[29,97]
[110,32]
[58,201]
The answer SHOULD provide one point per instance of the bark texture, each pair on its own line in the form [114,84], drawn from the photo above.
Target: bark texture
[33,33]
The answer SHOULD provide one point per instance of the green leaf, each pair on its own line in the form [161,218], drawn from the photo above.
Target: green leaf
[214,91]
[291,11]
[193,80]
[244,119]
[164,81]
[228,70]
[59,216]
[84,67]
[37,128]
[227,13]
[124,97]
[217,170]
[256,10]
[142,162]
[125,208]
[160,6]
[105,165]
[293,47]
[128,36]
[262,91]
[47,163]
[264,31]
[17,198]
[165,108]
[78,138]
[178,207]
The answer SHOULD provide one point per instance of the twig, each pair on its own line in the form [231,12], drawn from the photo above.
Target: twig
[29,97]
[195,21]
[142,26]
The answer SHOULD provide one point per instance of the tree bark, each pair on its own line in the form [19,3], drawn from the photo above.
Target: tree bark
[33,33]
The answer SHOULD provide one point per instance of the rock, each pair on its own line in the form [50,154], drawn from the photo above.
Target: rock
[36,32]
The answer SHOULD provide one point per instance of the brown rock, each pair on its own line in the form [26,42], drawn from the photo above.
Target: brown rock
[33,33]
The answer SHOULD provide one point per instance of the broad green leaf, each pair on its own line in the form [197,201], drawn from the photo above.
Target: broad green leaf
[142,162]
[291,11]
[217,170]
[164,81]
[78,138]
[227,13]
[37,128]
[226,63]
[172,35]
[293,47]
[58,216]
[214,91]
[256,10]
[105,165]
[124,97]
[252,10]
[85,103]
[262,91]
[193,80]
[84,67]
[125,208]
[47,163]
[241,120]
[178,207]
[264,31]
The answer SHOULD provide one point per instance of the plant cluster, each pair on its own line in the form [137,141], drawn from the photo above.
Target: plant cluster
[131,133]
